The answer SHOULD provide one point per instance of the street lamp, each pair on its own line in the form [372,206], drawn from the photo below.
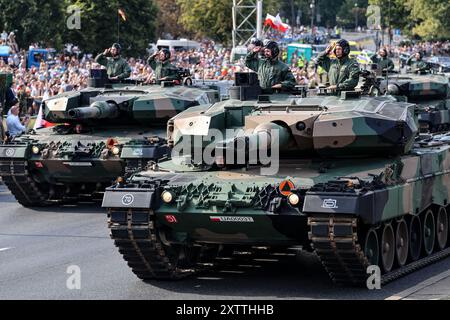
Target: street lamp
[356,17]
[312,6]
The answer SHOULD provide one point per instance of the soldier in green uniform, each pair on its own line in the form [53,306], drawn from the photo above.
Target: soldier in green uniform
[164,70]
[343,72]
[272,73]
[417,64]
[385,64]
[116,66]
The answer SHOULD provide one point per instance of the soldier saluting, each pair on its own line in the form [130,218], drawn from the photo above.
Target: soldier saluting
[116,66]
[343,72]
[272,73]
[164,70]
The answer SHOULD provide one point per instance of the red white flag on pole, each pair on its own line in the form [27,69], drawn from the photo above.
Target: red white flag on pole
[122,14]
[276,23]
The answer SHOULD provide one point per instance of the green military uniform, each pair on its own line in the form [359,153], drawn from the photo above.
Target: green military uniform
[163,69]
[344,73]
[270,72]
[417,66]
[384,63]
[116,67]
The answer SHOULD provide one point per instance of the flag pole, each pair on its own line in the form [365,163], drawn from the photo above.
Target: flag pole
[118,26]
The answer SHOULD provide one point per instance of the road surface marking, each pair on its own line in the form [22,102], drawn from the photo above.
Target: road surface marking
[404,294]
[4,249]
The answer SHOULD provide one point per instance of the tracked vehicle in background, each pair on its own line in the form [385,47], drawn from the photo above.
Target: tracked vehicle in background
[101,133]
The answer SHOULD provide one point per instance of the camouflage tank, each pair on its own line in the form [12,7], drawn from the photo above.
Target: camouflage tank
[430,92]
[102,134]
[349,178]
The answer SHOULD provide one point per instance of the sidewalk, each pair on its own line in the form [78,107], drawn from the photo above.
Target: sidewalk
[435,288]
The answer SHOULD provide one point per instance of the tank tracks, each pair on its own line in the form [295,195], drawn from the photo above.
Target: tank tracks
[17,178]
[335,241]
[134,233]
[29,193]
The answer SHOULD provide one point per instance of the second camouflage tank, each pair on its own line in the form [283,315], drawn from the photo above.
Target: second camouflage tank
[100,134]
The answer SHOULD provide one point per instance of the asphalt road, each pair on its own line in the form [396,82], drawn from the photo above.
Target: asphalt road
[37,247]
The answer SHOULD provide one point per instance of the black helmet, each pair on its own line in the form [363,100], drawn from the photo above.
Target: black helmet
[345,46]
[167,54]
[273,47]
[117,46]
[256,42]
[266,42]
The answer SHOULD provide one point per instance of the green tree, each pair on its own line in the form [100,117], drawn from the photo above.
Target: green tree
[431,18]
[212,18]
[352,12]
[34,21]
[168,19]
[101,25]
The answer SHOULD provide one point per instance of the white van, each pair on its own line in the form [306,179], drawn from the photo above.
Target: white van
[177,45]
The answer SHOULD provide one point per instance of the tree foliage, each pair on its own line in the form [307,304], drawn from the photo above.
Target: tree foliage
[212,18]
[431,18]
[168,20]
[33,21]
[101,25]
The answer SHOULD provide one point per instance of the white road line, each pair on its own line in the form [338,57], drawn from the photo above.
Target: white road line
[404,294]
[4,249]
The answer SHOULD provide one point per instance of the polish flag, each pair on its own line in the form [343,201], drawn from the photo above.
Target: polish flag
[276,23]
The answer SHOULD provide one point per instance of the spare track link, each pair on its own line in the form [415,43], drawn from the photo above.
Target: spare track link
[134,233]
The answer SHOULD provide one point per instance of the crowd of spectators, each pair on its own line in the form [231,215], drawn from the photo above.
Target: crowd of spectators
[70,70]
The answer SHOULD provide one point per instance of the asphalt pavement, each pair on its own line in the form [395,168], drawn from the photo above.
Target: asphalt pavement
[39,247]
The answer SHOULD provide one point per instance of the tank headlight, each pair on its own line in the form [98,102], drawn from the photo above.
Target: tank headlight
[35,150]
[115,151]
[167,197]
[294,199]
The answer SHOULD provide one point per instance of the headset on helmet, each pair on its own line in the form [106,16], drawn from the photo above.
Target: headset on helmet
[273,47]
[344,45]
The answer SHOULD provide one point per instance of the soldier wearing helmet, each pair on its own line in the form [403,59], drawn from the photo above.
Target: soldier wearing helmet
[417,64]
[272,73]
[116,66]
[383,61]
[343,72]
[164,70]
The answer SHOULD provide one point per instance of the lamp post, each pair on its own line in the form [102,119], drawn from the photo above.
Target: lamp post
[356,16]
[312,6]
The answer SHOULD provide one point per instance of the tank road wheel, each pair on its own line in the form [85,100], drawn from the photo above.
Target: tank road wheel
[401,242]
[441,228]
[371,248]
[429,232]
[387,247]
[415,238]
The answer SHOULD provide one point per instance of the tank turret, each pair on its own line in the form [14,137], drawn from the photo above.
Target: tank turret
[327,126]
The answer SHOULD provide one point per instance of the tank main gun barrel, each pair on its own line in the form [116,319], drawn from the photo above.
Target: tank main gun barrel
[267,134]
[264,137]
[97,110]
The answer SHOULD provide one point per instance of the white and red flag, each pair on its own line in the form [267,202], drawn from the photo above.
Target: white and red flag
[276,23]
